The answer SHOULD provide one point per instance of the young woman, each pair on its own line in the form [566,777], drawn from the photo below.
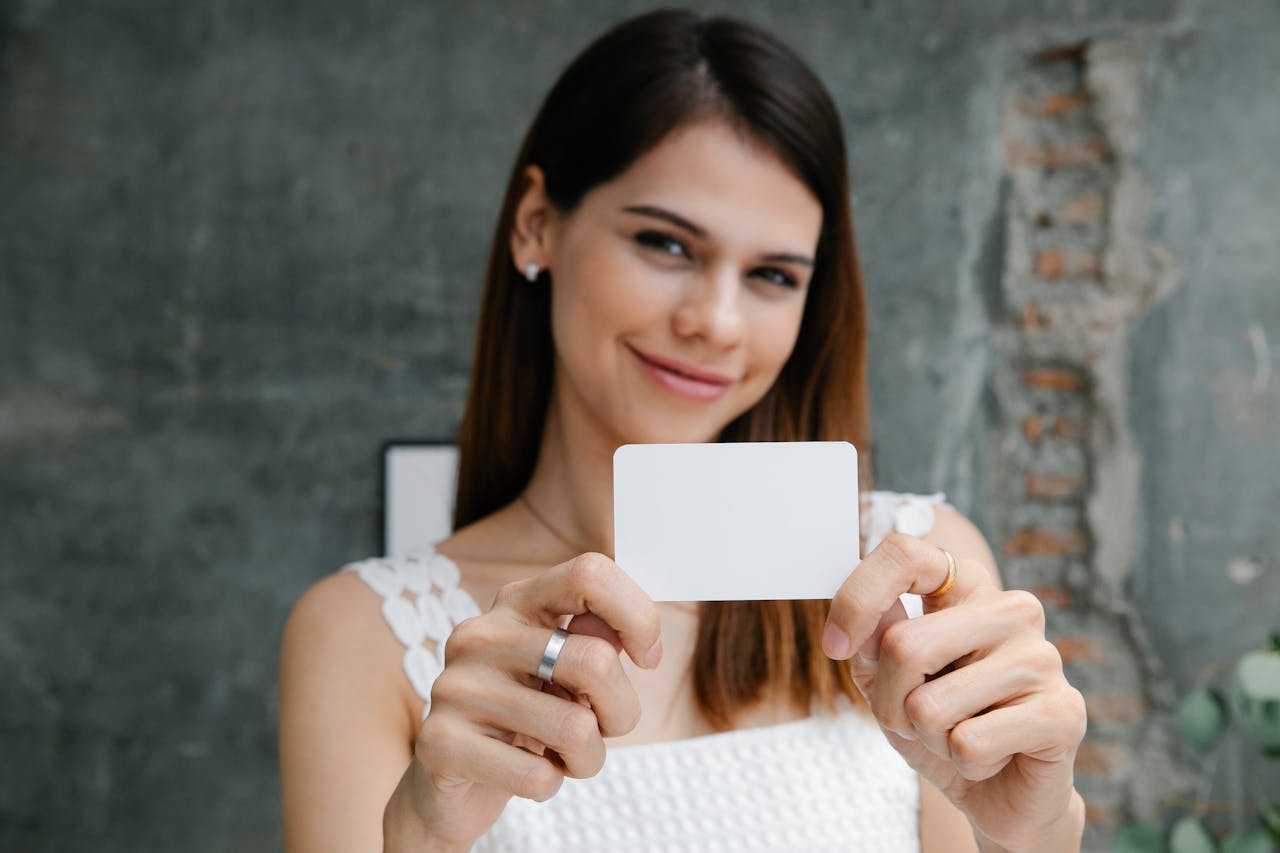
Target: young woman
[674,262]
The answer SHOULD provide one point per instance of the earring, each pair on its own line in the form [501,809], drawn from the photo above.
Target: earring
[531,271]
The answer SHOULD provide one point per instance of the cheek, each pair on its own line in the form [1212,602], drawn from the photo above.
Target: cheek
[775,333]
[604,295]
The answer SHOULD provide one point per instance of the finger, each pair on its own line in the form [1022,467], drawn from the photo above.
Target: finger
[592,583]
[590,669]
[1006,676]
[913,650]
[453,749]
[1042,732]
[566,726]
[900,563]
[587,668]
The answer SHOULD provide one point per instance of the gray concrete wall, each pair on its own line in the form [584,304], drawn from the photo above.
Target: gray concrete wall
[241,243]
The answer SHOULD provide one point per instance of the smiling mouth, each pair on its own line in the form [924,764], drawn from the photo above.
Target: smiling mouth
[681,381]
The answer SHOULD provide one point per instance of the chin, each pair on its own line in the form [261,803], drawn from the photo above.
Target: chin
[671,430]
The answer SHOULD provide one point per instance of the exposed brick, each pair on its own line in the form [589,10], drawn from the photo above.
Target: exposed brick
[1079,648]
[1032,542]
[1068,428]
[1049,264]
[1086,152]
[1115,707]
[1083,209]
[1097,758]
[1055,379]
[1061,103]
[1052,596]
[1033,428]
[1051,486]
[1032,320]
[1054,264]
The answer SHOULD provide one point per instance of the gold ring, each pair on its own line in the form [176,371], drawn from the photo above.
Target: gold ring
[946,585]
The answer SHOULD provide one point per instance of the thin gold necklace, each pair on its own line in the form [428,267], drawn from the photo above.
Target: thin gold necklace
[550,528]
[686,607]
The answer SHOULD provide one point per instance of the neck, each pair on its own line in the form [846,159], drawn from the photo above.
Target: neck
[572,482]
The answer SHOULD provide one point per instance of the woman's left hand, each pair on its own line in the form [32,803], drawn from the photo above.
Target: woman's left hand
[971,693]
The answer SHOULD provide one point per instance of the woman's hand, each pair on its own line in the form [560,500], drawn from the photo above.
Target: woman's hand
[971,693]
[496,730]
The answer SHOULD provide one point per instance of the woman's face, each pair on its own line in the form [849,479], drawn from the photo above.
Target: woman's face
[678,287]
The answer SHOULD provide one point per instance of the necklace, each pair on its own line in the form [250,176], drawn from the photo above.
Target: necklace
[691,608]
[551,528]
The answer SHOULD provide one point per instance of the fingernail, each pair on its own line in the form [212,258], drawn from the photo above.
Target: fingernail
[835,642]
[864,660]
[906,735]
[654,655]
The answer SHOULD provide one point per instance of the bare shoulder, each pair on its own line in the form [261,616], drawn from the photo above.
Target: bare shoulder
[337,630]
[955,532]
[339,614]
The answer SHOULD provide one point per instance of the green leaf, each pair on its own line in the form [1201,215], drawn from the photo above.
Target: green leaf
[1255,698]
[1200,718]
[1253,841]
[1270,815]
[1137,837]
[1190,836]
[1275,641]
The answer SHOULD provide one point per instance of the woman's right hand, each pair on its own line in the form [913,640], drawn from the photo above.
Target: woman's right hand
[496,730]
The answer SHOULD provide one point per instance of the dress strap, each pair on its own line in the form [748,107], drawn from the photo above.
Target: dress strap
[904,512]
[421,603]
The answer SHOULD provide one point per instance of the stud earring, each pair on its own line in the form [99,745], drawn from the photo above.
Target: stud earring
[531,271]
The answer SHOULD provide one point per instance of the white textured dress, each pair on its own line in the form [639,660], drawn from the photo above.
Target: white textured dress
[826,782]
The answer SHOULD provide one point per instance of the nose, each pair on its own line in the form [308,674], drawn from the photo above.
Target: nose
[710,309]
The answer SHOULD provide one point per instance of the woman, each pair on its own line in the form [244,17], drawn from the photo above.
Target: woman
[674,262]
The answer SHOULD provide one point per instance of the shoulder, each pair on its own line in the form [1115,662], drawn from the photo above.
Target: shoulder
[336,628]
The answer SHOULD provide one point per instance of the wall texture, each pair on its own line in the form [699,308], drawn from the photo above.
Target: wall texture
[241,242]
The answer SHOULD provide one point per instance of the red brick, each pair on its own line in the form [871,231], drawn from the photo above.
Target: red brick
[1031,542]
[1054,264]
[1083,153]
[1079,648]
[1049,264]
[1061,103]
[1033,428]
[1052,596]
[1115,707]
[1083,209]
[1095,758]
[1068,428]
[1051,486]
[1055,379]
[1031,319]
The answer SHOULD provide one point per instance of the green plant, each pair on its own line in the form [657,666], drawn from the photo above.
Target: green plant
[1250,703]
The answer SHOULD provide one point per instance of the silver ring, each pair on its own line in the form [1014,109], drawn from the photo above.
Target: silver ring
[551,653]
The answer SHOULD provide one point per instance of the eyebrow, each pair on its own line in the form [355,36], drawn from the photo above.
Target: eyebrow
[681,222]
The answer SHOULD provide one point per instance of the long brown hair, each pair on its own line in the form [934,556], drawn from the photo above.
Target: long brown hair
[615,101]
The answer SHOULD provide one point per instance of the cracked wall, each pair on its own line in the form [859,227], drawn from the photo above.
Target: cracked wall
[240,246]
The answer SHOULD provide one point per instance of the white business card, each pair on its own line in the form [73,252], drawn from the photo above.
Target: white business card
[744,521]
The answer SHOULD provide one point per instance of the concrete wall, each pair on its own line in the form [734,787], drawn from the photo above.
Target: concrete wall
[241,242]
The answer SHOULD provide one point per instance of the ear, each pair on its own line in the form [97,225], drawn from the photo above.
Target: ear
[533,231]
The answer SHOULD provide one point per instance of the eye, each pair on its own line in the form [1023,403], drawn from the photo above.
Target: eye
[777,276]
[664,243]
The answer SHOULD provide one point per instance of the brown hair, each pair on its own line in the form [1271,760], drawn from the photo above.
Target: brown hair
[615,101]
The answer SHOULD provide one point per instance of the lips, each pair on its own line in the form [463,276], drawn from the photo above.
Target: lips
[685,380]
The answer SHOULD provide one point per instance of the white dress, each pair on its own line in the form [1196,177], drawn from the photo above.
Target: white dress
[826,782]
